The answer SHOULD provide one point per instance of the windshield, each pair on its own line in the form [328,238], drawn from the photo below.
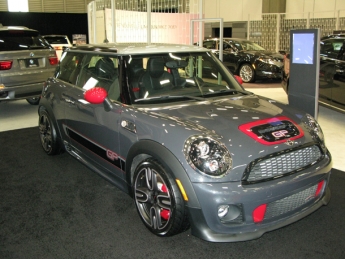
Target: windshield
[175,76]
[246,45]
[56,39]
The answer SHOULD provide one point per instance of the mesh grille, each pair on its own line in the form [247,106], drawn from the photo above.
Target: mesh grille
[284,164]
[290,203]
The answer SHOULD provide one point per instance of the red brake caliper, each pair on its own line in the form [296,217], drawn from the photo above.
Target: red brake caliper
[165,214]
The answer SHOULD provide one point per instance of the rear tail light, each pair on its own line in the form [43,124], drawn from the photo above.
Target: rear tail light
[53,60]
[5,64]
[58,48]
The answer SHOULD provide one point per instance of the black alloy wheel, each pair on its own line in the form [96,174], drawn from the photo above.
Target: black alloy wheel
[158,199]
[47,134]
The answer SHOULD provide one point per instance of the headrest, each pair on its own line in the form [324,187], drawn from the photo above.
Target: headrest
[176,64]
[155,66]
[105,68]
[136,65]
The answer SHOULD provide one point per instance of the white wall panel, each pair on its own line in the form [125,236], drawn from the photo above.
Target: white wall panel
[233,10]
[317,8]
[35,6]
[76,6]
[53,6]
[3,6]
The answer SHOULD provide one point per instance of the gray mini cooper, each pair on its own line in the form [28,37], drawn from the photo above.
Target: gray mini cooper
[173,128]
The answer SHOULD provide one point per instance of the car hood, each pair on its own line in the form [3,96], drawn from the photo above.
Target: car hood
[264,53]
[222,119]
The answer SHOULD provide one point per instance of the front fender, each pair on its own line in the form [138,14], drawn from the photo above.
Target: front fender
[148,148]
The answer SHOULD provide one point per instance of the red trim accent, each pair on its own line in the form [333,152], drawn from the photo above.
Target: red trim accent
[165,214]
[259,213]
[135,89]
[246,128]
[319,188]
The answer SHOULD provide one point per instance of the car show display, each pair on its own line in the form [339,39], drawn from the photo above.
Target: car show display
[170,125]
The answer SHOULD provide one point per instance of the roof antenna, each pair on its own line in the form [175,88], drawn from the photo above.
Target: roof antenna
[105,25]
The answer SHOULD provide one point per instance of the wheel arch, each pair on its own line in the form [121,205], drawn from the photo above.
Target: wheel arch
[53,119]
[148,148]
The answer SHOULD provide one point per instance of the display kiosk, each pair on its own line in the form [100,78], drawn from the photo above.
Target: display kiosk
[303,90]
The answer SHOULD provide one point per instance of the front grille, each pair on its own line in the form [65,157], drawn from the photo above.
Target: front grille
[290,203]
[282,163]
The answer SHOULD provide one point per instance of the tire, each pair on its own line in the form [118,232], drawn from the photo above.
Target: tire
[47,133]
[33,100]
[247,73]
[158,199]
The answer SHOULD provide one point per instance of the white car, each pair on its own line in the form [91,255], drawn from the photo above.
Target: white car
[58,42]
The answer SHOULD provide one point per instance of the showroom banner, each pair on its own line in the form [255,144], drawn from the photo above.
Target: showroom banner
[131,26]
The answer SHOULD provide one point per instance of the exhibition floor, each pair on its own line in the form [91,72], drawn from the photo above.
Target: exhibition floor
[55,207]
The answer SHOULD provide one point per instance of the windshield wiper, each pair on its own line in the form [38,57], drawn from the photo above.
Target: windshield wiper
[228,91]
[166,97]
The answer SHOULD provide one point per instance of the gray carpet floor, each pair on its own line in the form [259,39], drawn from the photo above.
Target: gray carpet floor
[55,207]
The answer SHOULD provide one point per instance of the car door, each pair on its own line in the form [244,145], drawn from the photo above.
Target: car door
[231,56]
[228,54]
[93,129]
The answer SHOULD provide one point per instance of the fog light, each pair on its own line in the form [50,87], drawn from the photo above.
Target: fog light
[223,210]
[230,213]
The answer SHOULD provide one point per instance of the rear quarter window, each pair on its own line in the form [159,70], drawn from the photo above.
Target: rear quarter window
[69,67]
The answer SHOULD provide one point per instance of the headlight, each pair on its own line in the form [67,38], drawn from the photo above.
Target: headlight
[267,60]
[207,155]
[271,61]
[314,128]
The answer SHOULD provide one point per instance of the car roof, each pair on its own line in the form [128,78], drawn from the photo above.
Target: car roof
[137,48]
[7,28]
[54,35]
[226,38]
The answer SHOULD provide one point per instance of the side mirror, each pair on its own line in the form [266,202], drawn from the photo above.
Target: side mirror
[95,95]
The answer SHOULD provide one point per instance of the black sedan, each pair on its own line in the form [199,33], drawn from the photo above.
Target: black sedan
[247,59]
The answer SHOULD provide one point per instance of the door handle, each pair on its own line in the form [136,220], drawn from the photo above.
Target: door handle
[67,99]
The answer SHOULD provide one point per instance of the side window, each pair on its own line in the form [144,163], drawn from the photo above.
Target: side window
[100,71]
[209,44]
[69,67]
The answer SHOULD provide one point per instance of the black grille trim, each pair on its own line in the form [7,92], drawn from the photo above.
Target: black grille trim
[291,203]
[246,179]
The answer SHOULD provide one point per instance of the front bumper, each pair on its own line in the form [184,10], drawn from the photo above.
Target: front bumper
[291,193]
[264,70]
[200,228]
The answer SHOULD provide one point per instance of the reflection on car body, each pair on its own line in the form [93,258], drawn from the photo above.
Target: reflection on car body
[247,59]
[193,149]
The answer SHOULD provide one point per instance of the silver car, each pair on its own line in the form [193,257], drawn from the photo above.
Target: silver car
[170,126]
[26,61]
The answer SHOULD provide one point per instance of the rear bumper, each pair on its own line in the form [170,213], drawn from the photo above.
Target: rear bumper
[21,91]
